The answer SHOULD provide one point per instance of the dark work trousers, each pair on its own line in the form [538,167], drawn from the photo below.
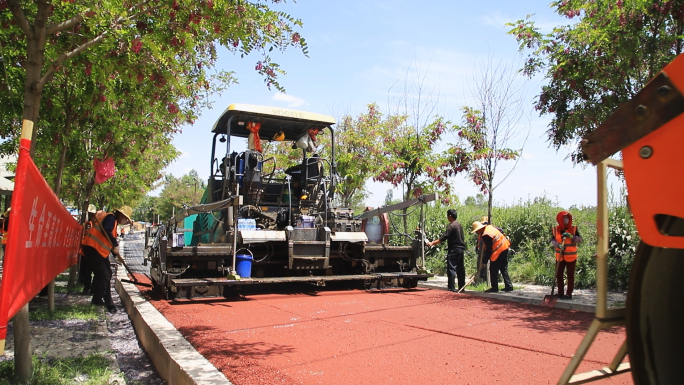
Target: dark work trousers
[85,275]
[102,275]
[570,266]
[500,265]
[455,268]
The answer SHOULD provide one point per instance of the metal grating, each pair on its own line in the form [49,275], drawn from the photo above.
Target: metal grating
[304,235]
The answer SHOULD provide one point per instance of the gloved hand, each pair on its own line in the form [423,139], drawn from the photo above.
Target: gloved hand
[555,244]
[567,235]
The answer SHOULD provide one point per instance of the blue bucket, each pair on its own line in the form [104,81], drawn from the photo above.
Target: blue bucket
[243,265]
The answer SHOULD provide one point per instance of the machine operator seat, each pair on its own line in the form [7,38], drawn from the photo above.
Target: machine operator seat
[306,175]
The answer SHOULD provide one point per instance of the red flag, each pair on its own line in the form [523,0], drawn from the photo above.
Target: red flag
[43,239]
[103,170]
[254,141]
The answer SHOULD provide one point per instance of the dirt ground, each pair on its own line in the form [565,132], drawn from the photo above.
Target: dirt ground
[394,336]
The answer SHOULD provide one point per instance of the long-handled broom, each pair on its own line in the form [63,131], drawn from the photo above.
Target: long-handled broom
[550,300]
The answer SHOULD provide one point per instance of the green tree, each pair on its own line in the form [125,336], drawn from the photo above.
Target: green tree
[358,153]
[601,60]
[142,211]
[181,32]
[478,200]
[179,192]
[134,75]
[411,142]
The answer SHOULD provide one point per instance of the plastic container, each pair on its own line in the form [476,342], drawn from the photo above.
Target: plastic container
[307,221]
[178,240]
[243,265]
[246,224]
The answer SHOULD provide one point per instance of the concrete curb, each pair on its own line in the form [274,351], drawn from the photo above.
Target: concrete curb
[176,361]
[532,297]
[513,297]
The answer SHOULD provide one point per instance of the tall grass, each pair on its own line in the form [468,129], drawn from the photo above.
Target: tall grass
[88,370]
[528,226]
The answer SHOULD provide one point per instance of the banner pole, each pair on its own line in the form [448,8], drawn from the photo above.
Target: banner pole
[23,364]
[26,129]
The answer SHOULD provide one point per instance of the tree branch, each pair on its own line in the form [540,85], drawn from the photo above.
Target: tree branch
[116,24]
[19,15]
[54,28]
[68,55]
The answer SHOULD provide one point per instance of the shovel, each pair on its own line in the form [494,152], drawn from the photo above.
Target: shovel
[550,300]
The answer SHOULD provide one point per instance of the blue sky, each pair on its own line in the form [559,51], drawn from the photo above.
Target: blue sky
[359,51]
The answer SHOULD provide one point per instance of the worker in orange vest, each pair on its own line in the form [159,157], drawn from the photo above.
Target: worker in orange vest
[564,238]
[495,250]
[99,241]
[5,227]
[85,273]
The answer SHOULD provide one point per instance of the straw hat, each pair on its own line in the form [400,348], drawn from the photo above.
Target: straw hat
[477,226]
[127,211]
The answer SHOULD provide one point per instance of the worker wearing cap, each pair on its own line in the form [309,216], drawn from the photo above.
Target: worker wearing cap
[99,241]
[455,251]
[564,238]
[495,250]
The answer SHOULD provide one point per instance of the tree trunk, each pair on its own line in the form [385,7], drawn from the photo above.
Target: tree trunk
[490,201]
[57,187]
[405,217]
[60,167]
[35,55]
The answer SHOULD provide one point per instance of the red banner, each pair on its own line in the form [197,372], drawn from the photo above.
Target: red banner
[43,239]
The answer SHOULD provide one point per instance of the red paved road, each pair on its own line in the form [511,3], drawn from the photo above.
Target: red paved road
[402,337]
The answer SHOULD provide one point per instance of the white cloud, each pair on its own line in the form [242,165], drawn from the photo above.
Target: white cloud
[292,101]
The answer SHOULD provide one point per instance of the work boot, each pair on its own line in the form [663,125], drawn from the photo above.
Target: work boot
[97,302]
[508,289]
[492,290]
[111,309]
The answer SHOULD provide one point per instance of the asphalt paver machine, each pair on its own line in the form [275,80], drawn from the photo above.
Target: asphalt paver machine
[258,226]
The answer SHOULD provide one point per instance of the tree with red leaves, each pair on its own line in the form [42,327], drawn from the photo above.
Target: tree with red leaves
[42,37]
[490,127]
[599,61]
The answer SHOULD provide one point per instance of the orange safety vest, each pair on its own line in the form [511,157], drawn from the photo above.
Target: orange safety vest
[499,241]
[570,247]
[96,237]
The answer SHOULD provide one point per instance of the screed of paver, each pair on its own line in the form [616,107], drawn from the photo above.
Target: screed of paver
[408,337]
